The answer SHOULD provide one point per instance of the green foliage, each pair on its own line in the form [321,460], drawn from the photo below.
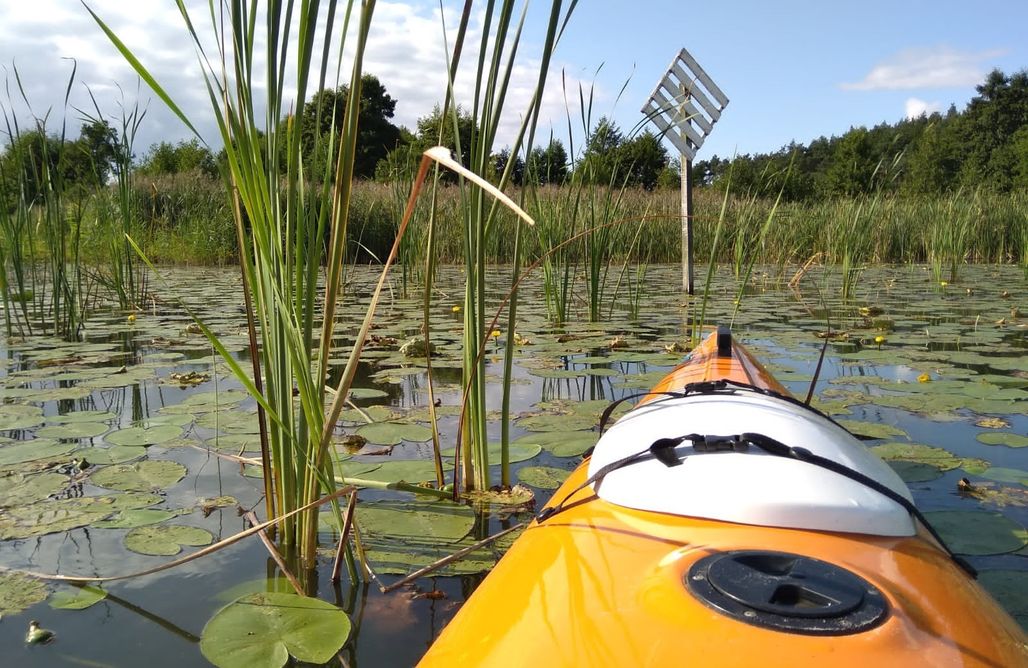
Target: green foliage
[165,158]
[983,146]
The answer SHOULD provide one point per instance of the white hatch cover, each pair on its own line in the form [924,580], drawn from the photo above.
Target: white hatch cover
[752,487]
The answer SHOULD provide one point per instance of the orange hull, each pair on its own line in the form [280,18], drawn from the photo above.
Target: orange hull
[603,585]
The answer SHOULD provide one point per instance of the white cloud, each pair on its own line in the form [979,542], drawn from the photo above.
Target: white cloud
[915,107]
[406,51]
[936,67]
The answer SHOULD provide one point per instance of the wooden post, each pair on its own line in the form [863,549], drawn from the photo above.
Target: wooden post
[687,280]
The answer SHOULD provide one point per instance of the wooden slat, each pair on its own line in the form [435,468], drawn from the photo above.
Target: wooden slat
[670,110]
[686,105]
[697,91]
[707,82]
[683,146]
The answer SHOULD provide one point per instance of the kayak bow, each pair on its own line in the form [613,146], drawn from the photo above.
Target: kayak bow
[723,523]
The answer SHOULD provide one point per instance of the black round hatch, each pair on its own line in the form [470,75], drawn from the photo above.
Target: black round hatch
[787,592]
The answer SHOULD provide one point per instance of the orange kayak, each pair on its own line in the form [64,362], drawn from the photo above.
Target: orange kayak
[726,524]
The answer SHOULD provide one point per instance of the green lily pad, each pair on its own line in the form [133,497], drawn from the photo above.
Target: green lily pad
[31,450]
[21,489]
[1010,588]
[263,630]
[557,422]
[20,416]
[559,443]
[407,470]
[1007,438]
[130,519]
[18,592]
[165,540]
[55,516]
[915,471]
[78,598]
[140,477]
[974,532]
[518,451]
[73,430]
[917,453]
[394,433]
[871,429]
[144,436]
[438,520]
[543,477]
[367,393]
[117,454]
[1001,474]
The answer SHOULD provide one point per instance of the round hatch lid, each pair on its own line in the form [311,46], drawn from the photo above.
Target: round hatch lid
[787,592]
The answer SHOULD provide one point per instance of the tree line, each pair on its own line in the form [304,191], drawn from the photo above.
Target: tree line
[983,146]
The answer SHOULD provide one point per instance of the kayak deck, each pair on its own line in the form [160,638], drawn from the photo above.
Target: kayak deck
[605,584]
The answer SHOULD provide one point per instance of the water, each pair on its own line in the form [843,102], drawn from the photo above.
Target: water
[967,346]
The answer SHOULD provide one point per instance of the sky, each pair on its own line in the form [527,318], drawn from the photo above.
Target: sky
[793,70]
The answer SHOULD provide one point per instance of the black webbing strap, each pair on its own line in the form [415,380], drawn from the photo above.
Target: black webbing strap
[779,449]
[663,450]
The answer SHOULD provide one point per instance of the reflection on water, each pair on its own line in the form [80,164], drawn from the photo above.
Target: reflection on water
[947,362]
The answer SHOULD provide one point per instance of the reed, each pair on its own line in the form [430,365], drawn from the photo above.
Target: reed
[281,251]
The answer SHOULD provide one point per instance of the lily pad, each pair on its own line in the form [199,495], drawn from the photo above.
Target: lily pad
[559,443]
[140,477]
[24,489]
[144,436]
[1001,474]
[557,422]
[543,477]
[18,592]
[1010,588]
[73,430]
[78,598]
[1007,438]
[55,516]
[438,520]
[19,416]
[130,519]
[518,451]
[407,470]
[27,451]
[263,630]
[871,429]
[165,540]
[977,532]
[394,433]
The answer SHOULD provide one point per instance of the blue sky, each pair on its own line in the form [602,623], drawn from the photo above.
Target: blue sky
[797,69]
[793,70]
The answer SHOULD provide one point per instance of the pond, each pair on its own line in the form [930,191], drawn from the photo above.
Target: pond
[935,376]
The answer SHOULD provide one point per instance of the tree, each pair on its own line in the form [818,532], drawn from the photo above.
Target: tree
[643,158]
[185,156]
[517,171]
[376,136]
[548,165]
[601,158]
[431,130]
[852,165]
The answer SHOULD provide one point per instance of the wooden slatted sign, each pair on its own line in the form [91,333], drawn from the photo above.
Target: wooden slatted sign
[684,106]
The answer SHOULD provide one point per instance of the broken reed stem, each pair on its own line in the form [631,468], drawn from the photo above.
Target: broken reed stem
[421,572]
[251,517]
[344,534]
[210,549]
[365,564]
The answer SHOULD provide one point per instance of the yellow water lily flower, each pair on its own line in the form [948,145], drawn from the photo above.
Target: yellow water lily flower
[456,309]
[495,333]
[131,318]
[923,378]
